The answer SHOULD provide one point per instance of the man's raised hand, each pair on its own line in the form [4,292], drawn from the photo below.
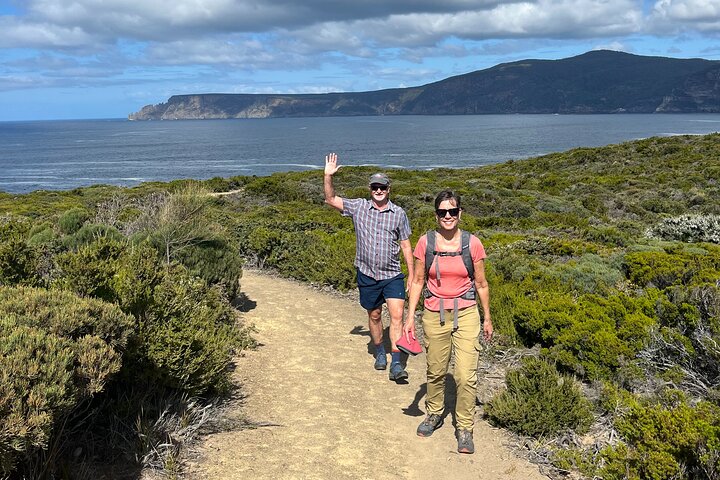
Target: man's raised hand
[331,166]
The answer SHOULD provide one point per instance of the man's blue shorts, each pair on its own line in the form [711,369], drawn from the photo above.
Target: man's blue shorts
[374,292]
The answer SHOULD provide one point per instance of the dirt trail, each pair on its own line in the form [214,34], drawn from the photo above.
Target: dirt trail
[326,413]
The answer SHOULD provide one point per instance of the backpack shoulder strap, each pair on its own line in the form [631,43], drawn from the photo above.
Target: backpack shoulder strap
[429,250]
[466,256]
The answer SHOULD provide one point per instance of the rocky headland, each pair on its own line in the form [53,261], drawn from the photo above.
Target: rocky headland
[595,82]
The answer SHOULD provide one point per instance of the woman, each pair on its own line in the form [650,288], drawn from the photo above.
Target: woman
[455,274]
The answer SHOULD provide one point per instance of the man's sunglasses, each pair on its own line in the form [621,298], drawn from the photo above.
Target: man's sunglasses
[376,186]
[441,212]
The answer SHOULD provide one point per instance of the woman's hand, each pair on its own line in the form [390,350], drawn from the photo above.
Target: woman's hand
[487,328]
[409,327]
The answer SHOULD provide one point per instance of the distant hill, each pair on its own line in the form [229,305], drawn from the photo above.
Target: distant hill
[600,81]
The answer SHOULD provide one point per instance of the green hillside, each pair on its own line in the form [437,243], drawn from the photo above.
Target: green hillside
[604,265]
[595,82]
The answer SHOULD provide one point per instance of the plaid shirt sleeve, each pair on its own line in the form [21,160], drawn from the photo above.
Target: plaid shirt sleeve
[404,227]
[350,206]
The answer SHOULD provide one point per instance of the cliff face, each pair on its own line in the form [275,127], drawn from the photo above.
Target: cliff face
[595,82]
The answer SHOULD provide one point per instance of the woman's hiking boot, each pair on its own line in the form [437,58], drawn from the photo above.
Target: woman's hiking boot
[380,361]
[465,441]
[397,372]
[431,423]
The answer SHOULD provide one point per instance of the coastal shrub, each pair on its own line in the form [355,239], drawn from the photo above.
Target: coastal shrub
[666,268]
[595,204]
[19,262]
[89,271]
[540,402]
[309,243]
[606,235]
[64,314]
[587,274]
[188,336]
[36,386]
[71,220]
[89,233]
[504,296]
[215,261]
[663,437]
[42,237]
[57,351]
[177,221]
[688,228]
[593,336]
[138,272]
[285,187]
[511,266]
[661,204]
[683,348]
[313,256]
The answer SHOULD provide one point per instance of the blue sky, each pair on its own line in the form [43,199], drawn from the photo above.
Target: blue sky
[65,59]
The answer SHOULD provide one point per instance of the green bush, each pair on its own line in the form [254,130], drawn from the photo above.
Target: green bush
[89,271]
[592,336]
[540,402]
[139,270]
[57,351]
[89,233]
[216,261]
[19,263]
[71,220]
[588,274]
[673,267]
[188,336]
[664,438]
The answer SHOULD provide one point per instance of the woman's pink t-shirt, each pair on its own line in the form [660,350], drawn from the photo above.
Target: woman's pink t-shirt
[454,280]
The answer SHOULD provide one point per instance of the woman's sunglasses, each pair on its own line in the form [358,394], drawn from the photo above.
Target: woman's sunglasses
[378,187]
[441,212]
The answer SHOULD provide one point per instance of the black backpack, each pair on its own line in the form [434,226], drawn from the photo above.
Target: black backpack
[431,253]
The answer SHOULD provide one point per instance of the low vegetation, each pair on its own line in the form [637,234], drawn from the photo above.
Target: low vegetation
[605,261]
[112,325]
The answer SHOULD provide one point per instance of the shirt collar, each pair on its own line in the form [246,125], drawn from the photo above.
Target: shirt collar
[390,206]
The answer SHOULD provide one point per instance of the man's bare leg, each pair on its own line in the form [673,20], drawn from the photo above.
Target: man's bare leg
[395,308]
[375,327]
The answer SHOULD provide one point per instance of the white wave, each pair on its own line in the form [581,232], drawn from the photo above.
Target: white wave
[269,165]
[674,134]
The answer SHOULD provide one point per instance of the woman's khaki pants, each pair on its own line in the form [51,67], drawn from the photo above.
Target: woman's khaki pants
[439,339]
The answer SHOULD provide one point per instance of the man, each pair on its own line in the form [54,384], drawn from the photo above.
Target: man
[382,229]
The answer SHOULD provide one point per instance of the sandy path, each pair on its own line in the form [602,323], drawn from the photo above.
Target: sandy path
[328,413]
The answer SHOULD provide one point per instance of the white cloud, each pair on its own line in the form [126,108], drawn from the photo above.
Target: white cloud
[616,46]
[23,34]
[241,54]
[374,39]
[674,16]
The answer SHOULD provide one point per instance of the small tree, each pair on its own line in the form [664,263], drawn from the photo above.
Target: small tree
[178,221]
[539,402]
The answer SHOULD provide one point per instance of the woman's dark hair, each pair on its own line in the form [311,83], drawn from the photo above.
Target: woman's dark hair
[447,195]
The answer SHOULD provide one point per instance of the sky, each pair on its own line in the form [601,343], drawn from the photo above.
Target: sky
[76,59]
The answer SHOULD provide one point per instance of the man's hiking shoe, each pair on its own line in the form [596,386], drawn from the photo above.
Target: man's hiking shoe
[465,441]
[397,372]
[431,423]
[380,362]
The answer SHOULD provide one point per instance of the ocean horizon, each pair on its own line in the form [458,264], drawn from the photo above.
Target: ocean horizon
[66,154]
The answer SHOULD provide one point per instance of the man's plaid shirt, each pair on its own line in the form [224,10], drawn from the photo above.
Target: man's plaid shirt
[378,235]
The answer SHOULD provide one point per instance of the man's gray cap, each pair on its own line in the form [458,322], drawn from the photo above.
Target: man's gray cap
[379,179]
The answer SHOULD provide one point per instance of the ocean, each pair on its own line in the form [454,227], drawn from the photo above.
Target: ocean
[60,155]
